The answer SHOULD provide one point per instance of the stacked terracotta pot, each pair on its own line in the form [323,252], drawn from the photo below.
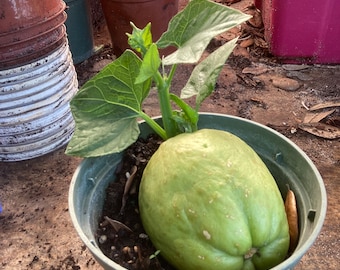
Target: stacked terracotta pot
[37,79]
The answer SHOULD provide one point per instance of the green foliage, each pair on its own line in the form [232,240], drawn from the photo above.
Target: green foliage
[203,78]
[107,107]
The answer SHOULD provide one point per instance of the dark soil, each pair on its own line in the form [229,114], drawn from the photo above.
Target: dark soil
[129,246]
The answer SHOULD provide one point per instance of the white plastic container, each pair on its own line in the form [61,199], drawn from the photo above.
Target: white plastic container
[35,116]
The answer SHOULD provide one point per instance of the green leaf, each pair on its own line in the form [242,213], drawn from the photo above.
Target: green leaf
[188,118]
[106,107]
[140,39]
[203,78]
[192,29]
[150,64]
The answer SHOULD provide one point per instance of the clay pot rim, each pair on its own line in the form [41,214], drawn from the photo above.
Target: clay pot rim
[37,23]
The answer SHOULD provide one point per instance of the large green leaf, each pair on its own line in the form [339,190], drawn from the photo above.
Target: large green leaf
[106,108]
[192,29]
[203,78]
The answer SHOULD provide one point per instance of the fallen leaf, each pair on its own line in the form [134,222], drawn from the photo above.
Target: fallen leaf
[255,70]
[256,20]
[293,220]
[293,67]
[321,130]
[116,224]
[316,117]
[286,84]
[324,105]
[128,186]
[247,80]
[247,43]
[260,42]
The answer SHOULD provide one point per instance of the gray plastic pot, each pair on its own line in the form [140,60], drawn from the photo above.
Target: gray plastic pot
[288,164]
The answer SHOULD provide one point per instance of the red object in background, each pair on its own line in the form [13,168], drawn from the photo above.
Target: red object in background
[30,30]
[119,14]
[302,31]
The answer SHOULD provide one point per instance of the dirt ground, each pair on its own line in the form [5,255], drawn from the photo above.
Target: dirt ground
[35,228]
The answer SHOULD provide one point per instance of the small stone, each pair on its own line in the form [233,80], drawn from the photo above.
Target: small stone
[102,239]
[286,84]
[143,236]
[126,250]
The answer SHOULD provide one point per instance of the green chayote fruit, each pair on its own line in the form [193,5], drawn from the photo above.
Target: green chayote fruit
[207,201]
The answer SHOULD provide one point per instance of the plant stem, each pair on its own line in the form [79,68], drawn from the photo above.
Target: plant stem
[172,73]
[165,105]
[153,124]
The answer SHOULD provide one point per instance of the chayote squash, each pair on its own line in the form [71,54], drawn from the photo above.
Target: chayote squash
[207,201]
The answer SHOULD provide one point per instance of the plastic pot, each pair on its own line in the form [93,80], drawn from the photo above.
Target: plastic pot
[79,29]
[303,31]
[288,164]
[119,13]
[35,116]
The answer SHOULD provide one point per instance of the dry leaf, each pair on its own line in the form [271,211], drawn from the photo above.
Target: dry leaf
[316,117]
[321,130]
[256,20]
[116,224]
[324,105]
[255,70]
[128,186]
[293,220]
[247,43]
[259,42]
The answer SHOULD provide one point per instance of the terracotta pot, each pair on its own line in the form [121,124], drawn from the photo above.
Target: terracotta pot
[119,14]
[29,30]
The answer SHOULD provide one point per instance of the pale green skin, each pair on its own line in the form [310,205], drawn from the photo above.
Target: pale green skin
[207,201]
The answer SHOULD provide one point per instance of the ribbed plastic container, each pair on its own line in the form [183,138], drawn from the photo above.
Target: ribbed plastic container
[302,31]
[29,30]
[35,116]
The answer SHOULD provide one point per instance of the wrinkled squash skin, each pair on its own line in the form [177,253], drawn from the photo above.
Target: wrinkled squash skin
[207,201]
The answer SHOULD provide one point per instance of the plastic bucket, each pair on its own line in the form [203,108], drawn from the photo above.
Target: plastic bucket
[288,164]
[79,29]
[35,116]
[119,13]
[29,30]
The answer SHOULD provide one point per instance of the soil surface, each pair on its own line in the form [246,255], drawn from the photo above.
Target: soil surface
[35,228]
[121,235]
